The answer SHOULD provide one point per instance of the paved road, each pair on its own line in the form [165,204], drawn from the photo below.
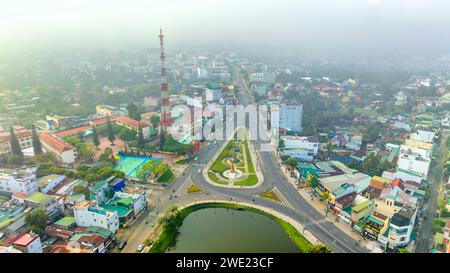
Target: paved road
[299,209]
[425,238]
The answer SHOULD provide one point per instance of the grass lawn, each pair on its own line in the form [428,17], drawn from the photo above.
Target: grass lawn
[219,166]
[270,195]
[193,189]
[166,177]
[251,180]
[215,179]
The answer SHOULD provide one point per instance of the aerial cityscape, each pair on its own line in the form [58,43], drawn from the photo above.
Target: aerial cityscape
[226,133]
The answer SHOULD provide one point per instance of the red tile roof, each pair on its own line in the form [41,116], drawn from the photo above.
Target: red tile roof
[100,121]
[73,131]
[55,142]
[399,183]
[24,239]
[131,122]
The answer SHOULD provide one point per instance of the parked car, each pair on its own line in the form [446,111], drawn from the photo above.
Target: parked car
[140,247]
[122,245]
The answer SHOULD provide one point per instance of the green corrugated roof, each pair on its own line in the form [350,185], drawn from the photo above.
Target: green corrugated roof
[213,85]
[41,198]
[66,221]
[361,205]
[99,185]
[121,211]
[74,197]
[102,231]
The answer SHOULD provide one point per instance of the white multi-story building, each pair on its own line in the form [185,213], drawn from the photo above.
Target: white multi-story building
[259,89]
[304,148]
[414,162]
[291,117]
[423,136]
[20,180]
[417,147]
[213,95]
[265,77]
[401,227]
[89,214]
[202,73]
[48,182]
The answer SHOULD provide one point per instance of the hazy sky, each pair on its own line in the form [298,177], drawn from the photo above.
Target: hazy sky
[343,27]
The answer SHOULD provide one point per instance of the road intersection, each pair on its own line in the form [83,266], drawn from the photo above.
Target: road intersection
[298,208]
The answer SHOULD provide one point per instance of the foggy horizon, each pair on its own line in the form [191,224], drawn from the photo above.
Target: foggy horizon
[343,29]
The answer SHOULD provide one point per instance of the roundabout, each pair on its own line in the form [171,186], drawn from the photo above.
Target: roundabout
[234,166]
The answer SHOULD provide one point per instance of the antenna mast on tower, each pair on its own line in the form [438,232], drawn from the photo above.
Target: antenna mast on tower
[165,119]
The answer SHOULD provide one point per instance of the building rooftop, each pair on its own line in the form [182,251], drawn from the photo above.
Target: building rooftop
[333,182]
[418,144]
[24,239]
[45,180]
[56,143]
[66,221]
[41,198]
[131,122]
[402,218]
[361,206]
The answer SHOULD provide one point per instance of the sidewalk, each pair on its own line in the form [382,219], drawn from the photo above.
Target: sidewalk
[320,207]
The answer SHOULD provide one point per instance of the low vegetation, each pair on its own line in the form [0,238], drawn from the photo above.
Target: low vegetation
[270,195]
[193,189]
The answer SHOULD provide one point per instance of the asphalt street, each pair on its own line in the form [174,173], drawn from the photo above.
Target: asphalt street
[300,209]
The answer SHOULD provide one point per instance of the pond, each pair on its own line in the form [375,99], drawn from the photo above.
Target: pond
[214,230]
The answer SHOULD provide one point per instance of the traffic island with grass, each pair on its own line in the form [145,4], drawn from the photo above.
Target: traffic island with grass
[194,189]
[234,165]
[270,195]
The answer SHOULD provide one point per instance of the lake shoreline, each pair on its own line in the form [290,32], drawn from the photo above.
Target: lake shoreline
[167,238]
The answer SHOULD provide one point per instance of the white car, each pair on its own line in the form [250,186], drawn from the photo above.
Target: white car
[140,248]
[199,171]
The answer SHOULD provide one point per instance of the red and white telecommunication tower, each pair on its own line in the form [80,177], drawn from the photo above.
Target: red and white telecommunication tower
[165,119]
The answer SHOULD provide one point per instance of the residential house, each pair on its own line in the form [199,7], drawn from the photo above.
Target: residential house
[302,148]
[355,143]
[28,243]
[49,203]
[18,180]
[89,214]
[49,182]
[401,227]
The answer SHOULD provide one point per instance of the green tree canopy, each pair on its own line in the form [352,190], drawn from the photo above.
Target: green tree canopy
[154,120]
[141,142]
[37,146]
[95,138]
[36,221]
[15,145]
[110,132]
